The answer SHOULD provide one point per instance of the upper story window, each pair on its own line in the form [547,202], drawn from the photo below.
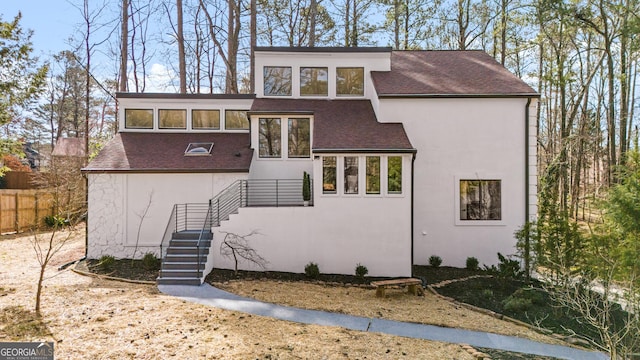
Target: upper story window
[394,175]
[299,138]
[205,119]
[329,174]
[314,81]
[373,175]
[172,119]
[269,136]
[351,174]
[138,118]
[349,81]
[277,81]
[480,200]
[236,120]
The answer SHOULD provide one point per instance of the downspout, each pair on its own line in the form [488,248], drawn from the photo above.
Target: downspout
[527,240]
[413,162]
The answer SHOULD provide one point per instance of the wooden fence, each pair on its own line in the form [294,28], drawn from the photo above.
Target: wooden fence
[22,210]
[19,180]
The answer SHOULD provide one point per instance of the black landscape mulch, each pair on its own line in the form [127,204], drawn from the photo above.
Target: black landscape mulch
[124,269]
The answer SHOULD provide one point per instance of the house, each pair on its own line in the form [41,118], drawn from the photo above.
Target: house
[411,154]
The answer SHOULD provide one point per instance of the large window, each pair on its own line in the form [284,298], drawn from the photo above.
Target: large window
[138,118]
[394,175]
[350,174]
[172,119]
[350,81]
[314,81]
[270,133]
[205,119]
[299,135]
[236,120]
[277,81]
[480,200]
[373,174]
[329,175]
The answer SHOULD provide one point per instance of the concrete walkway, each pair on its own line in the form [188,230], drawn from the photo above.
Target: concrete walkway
[209,295]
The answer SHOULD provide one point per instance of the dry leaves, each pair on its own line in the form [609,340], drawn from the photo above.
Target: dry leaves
[102,319]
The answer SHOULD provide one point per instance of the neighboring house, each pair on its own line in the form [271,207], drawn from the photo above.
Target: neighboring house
[412,154]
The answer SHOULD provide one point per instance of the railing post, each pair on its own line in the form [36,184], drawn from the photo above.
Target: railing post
[175,210]
[218,211]
[209,217]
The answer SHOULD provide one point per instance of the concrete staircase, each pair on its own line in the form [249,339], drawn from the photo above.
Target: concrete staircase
[180,264]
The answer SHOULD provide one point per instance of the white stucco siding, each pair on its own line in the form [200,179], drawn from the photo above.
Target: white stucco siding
[337,233]
[372,232]
[463,139]
[117,205]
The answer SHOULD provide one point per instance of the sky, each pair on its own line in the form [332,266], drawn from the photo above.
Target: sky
[52,22]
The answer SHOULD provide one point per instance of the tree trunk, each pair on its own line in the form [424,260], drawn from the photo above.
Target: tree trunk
[181,53]
[124,46]
[313,12]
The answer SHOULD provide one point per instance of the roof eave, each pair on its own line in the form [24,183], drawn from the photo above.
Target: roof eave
[364,150]
[459,96]
[163,171]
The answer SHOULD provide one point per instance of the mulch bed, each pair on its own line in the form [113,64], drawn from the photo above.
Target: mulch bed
[125,269]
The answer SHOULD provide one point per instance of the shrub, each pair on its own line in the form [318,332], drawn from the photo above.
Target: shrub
[487,293]
[507,268]
[435,261]
[517,304]
[56,221]
[106,262]
[472,263]
[150,262]
[312,270]
[361,270]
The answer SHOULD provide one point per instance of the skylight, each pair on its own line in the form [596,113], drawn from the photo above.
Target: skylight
[199,149]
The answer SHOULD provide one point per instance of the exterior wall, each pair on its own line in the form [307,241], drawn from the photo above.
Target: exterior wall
[188,104]
[337,233]
[371,61]
[465,139]
[117,203]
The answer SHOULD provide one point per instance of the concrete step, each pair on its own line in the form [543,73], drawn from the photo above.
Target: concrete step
[188,243]
[178,281]
[183,273]
[192,258]
[192,235]
[187,250]
[182,266]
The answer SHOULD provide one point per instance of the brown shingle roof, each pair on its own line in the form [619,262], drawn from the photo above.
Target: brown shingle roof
[164,152]
[447,73]
[69,147]
[348,125]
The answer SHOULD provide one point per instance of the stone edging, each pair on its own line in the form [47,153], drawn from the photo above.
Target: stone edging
[75,269]
[568,339]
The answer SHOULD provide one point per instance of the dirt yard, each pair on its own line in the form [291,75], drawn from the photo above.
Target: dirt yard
[88,317]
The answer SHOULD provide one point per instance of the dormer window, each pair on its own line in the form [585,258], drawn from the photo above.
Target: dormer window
[277,81]
[199,149]
[349,81]
[314,81]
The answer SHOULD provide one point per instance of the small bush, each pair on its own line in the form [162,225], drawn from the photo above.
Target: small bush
[487,293]
[55,221]
[106,262]
[150,262]
[435,261]
[312,270]
[506,269]
[361,271]
[517,304]
[472,263]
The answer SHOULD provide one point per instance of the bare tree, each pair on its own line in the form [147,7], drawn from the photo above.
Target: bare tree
[181,54]
[237,247]
[124,45]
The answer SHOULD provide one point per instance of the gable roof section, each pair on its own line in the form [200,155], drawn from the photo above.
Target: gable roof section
[455,73]
[164,152]
[341,125]
[72,147]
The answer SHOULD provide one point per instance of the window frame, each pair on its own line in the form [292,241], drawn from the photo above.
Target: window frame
[264,80]
[277,137]
[369,174]
[458,200]
[248,120]
[194,110]
[388,175]
[335,175]
[308,153]
[183,110]
[357,175]
[150,110]
[317,68]
[337,86]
